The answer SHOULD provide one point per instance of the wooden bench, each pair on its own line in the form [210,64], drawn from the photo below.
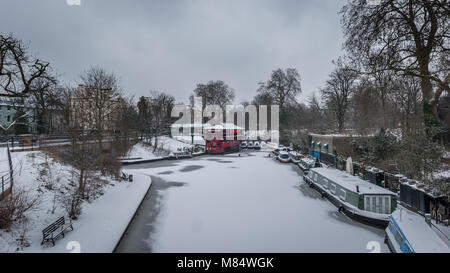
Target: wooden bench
[51,232]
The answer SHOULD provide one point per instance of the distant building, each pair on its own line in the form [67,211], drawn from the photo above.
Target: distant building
[9,108]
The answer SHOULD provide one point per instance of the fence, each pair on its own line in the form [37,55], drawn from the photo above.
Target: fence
[7,180]
[32,142]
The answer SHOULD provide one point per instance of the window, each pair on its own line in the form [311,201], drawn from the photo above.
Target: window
[398,237]
[367,203]
[342,194]
[332,188]
[8,118]
[387,205]
[378,204]
[325,183]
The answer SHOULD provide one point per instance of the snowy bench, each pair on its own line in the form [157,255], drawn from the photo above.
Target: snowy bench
[54,230]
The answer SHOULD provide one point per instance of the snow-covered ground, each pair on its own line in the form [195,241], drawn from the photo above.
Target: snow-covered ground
[101,223]
[198,140]
[166,146]
[250,203]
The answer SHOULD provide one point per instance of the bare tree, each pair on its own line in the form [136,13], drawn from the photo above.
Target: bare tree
[99,97]
[48,104]
[407,96]
[338,90]
[409,37]
[366,108]
[19,70]
[316,113]
[144,116]
[213,93]
[282,87]
[160,109]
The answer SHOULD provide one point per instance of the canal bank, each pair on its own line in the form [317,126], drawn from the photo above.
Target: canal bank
[232,204]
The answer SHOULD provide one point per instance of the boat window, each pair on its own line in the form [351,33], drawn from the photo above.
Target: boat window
[374,204]
[387,205]
[332,188]
[378,204]
[342,194]
[367,203]
[398,237]
[325,183]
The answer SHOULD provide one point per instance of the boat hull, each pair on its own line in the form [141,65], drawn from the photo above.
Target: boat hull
[350,212]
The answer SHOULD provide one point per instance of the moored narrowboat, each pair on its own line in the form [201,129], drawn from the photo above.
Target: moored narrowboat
[353,196]
[295,157]
[244,145]
[283,157]
[257,145]
[307,163]
[409,232]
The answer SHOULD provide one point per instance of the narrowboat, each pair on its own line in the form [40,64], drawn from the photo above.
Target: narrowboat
[409,232]
[283,157]
[295,157]
[358,199]
[307,163]
[257,145]
[244,145]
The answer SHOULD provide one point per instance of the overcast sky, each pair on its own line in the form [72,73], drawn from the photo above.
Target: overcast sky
[173,45]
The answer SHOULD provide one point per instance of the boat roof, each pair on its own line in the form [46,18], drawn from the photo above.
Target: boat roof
[350,182]
[419,234]
[222,126]
[308,160]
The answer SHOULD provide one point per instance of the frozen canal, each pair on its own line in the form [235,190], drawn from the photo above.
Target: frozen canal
[239,204]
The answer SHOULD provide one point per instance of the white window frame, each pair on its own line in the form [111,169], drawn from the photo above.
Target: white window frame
[325,185]
[380,204]
[333,188]
[342,194]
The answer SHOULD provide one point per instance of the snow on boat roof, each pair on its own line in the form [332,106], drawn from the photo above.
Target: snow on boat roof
[420,235]
[222,126]
[206,126]
[308,160]
[350,182]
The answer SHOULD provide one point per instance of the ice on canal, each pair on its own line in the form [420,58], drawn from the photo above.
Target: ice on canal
[250,203]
